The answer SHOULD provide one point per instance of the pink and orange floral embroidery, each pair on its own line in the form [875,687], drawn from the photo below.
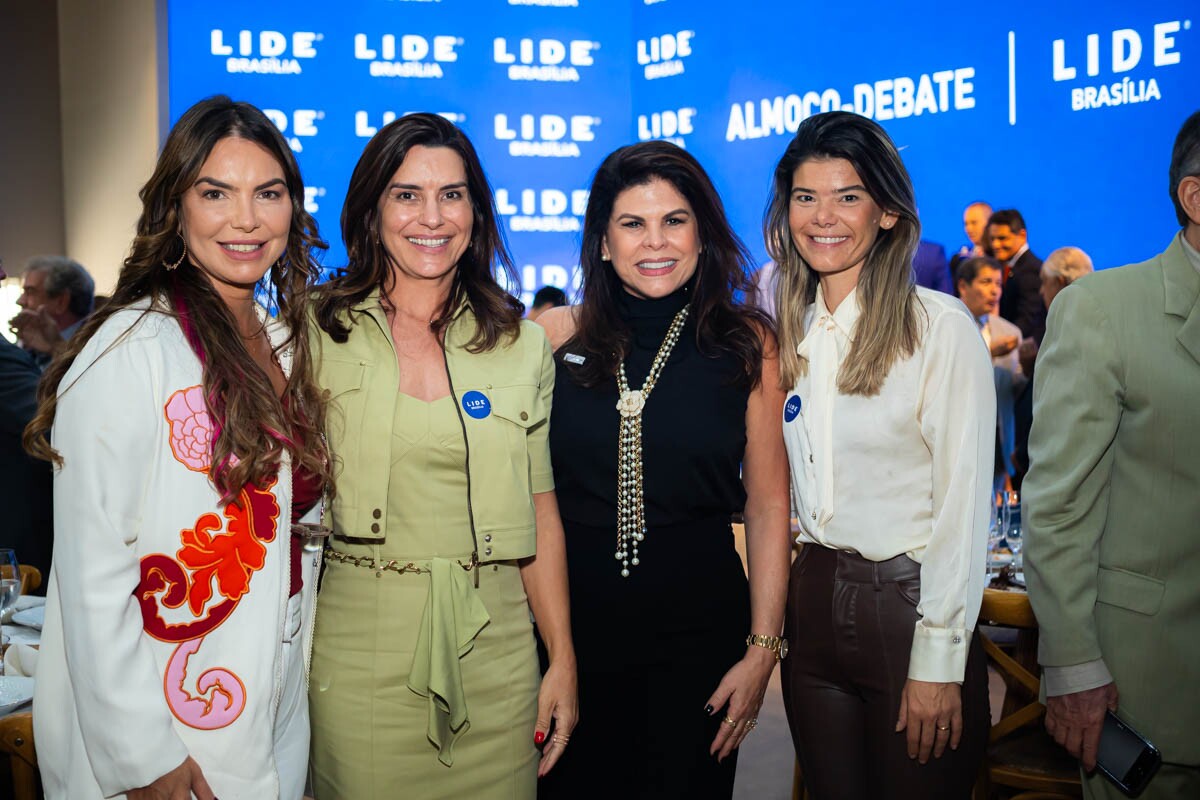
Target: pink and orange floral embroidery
[218,557]
[191,428]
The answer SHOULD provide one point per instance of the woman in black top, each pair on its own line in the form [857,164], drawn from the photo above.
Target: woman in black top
[666,421]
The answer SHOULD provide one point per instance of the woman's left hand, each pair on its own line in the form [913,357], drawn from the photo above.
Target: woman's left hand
[931,714]
[558,701]
[743,688]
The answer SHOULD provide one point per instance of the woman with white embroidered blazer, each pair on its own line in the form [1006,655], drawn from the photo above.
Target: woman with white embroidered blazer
[890,429]
[186,427]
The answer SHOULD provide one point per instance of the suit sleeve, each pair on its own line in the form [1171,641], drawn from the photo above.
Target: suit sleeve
[1031,309]
[18,389]
[1077,402]
[107,429]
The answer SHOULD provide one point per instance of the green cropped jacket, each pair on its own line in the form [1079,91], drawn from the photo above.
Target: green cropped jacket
[503,397]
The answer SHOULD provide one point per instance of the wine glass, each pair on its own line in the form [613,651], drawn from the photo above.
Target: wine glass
[1012,526]
[10,583]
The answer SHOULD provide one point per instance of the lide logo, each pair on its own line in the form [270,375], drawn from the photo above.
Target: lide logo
[1125,52]
[268,52]
[300,123]
[365,127]
[545,135]
[672,125]
[406,56]
[544,60]
[545,210]
[662,56]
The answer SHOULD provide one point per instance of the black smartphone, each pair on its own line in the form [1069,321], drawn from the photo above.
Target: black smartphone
[1126,757]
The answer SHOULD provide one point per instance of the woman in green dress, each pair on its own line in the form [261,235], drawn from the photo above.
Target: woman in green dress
[446,531]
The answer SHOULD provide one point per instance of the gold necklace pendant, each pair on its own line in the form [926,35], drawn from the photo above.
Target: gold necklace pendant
[631,507]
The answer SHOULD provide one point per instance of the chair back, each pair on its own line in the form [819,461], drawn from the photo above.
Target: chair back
[16,739]
[31,578]
[1020,754]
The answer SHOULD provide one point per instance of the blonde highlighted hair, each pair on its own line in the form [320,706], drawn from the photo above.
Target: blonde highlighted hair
[888,327]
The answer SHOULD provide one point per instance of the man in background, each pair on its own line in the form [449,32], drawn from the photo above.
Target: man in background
[58,295]
[1022,302]
[980,290]
[544,299]
[25,482]
[1112,510]
[975,219]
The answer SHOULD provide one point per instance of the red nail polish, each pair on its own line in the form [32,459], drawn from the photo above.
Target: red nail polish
[538,737]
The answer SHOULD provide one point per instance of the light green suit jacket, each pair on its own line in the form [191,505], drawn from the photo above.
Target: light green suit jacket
[1112,498]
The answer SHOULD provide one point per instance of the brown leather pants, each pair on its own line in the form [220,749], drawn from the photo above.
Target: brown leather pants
[850,625]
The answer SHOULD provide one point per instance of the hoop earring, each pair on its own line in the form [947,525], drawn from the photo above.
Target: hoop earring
[182,256]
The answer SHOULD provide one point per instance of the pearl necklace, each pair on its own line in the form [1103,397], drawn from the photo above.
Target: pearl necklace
[631,507]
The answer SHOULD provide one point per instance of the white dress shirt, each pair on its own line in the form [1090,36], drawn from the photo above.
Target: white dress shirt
[908,470]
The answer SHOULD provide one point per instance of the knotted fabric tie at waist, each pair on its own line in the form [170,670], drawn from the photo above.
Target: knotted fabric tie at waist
[453,617]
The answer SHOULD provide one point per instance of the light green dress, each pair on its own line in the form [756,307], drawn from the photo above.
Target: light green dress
[422,685]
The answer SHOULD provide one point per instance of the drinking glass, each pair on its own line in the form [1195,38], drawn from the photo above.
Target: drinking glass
[312,536]
[10,583]
[1012,526]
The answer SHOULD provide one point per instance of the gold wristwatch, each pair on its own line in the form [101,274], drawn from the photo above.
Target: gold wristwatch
[776,644]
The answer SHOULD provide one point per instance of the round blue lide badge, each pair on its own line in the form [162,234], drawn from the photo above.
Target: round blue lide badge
[791,409]
[476,404]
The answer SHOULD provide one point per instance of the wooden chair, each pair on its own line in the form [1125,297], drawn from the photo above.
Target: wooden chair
[16,739]
[31,578]
[1020,754]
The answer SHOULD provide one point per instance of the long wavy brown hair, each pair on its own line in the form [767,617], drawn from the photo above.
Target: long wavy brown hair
[497,313]
[251,421]
[889,327]
[722,324]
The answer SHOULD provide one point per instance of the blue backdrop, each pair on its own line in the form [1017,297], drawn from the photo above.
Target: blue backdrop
[1066,111]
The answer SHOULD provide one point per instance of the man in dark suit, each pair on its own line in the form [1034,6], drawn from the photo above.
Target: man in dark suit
[1022,300]
[25,483]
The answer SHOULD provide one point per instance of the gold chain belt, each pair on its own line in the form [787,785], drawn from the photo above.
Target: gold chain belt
[391,565]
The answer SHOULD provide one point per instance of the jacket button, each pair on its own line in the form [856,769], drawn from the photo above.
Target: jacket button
[374,527]
[487,537]
[377,513]
[524,416]
[487,551]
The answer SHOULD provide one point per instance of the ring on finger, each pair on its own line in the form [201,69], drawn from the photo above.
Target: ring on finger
[730,721]
[942,728]
[751,724]
[560,739]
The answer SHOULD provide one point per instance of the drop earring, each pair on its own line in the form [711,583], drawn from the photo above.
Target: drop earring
[182,256]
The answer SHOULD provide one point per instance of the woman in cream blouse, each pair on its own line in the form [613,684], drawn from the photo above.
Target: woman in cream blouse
[890,429]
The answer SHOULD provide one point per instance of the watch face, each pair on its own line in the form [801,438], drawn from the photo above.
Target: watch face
[783,649]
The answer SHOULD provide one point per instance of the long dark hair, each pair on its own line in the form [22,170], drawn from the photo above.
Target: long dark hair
[252,423]
[887,297]
[721,324]
[497,313]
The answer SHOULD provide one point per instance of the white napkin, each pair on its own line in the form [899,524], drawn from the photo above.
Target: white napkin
[20,659]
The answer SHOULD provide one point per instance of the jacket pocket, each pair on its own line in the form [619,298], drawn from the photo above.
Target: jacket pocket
[344,379]
[1130,590]
[521,405]
[500,469]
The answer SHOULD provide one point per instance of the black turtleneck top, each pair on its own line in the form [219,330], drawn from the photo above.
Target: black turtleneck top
[693,441]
